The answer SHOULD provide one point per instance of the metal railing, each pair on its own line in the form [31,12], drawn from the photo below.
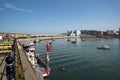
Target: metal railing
[10,64]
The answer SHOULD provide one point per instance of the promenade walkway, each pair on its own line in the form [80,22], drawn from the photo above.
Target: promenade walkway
[29,73]
[2,67]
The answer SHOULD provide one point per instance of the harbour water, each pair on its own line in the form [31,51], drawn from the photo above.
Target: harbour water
[82,60]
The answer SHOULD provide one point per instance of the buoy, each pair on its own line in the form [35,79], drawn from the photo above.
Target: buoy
[63,69]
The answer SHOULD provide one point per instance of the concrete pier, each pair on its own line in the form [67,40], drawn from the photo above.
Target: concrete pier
[29,72]
[29,40]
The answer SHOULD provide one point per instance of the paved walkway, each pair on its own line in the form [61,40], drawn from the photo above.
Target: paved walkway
[2,67]
[29,73]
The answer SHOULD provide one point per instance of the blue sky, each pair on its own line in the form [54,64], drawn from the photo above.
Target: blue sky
[58,16]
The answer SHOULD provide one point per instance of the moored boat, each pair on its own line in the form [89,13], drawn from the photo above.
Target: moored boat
[37,63]
[32,44]
[32,49]
[83,39]
[73,40]
[106,47]
[43,68]
[68,39]
[36,40]
[25,46]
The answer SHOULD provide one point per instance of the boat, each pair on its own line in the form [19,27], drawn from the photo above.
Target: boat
[53,39]
[30,49]
[105,47]
[25,46]
[43,68]
[37,63]
[73,40]
[31,57]
[68,39]
[83,39]
[36,41]
[32,44]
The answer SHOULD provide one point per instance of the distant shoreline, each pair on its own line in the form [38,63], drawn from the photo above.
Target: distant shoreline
[64,37]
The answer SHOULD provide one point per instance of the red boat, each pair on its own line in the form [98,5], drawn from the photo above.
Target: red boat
[31,49]
[46,73]
[44,68]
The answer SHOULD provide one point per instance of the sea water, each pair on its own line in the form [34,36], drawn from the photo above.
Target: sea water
[82,60]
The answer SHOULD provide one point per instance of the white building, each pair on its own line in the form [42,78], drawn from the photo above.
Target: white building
[1,38]
[78,32]
[73,33]
[111,32]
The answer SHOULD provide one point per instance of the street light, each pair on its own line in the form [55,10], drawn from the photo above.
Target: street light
[9,68]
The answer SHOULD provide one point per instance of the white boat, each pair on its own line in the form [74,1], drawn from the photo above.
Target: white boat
[31,49]
[32,44]
[103,47]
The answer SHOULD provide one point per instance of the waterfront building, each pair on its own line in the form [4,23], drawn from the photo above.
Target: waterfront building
[104,33]
[111,32]
[14,35]
[83,32]
[69,33]
[73,33]
[88,32]
[98,33]
[76,32]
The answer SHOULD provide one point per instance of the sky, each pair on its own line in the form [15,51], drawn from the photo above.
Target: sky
[58,16]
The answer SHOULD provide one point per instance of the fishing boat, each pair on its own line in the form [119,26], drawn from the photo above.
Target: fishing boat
[37,62]
[31,57]
[25,46]
[43,68]
[106,47]
[31,49]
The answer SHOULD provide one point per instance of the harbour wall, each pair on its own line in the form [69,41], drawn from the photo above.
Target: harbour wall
[29,40]
[29,72]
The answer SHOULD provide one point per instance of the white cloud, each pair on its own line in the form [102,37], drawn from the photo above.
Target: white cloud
[13,7]
[9,6]
[29,11]
[2,9]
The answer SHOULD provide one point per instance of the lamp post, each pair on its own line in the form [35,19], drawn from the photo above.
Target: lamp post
[9,68]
